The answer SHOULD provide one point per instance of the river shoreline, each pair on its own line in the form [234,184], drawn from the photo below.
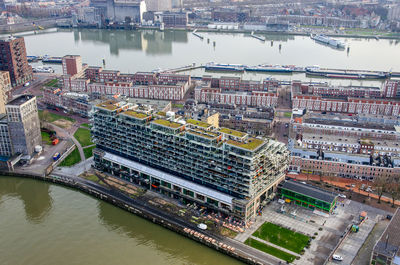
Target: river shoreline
[218,243]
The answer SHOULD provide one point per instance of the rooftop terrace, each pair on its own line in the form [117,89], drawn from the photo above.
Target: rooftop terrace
[251,144]
[198,123]
[232,132]
[166,123]
[137,115]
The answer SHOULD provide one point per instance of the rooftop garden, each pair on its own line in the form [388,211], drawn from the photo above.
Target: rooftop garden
[198,123]
[206,134]
[109,105]
[250,144]
[166,123]
[232,132]
[162,113]
[135,114]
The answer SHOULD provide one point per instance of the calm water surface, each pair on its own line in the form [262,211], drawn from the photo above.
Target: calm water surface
[146,50]
[45,224]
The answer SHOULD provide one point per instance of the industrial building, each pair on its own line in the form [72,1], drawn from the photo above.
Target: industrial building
[308,196]
[13,60]
[222,169]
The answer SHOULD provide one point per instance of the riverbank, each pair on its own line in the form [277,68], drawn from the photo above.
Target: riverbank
[224,245]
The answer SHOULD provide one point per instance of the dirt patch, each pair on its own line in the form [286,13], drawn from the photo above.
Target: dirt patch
[63,123]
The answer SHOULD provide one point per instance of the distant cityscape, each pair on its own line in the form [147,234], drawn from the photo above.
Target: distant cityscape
[267,171]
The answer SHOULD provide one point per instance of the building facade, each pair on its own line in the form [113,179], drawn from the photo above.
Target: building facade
[13,60]
[223,169]
[23,124]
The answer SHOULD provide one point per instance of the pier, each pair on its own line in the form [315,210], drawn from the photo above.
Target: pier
[197,35]
[257,37]
[183,68]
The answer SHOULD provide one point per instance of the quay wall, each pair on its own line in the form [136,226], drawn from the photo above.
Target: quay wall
[197,236]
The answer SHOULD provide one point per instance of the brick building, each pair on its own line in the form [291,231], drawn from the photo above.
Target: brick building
[13,60]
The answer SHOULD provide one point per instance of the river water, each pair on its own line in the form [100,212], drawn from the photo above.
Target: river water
[147,50]
[42,224]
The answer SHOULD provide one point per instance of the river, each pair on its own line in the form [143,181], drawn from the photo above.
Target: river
[147,50]
[42,223]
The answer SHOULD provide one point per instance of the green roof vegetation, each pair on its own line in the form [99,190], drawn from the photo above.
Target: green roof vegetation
[135,114]
[166,123]
[206,134]
[109,105]
[250,144]
[232,132]
[198,123]
[162,113]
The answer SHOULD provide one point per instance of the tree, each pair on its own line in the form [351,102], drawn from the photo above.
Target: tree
[380,184]
[394,191]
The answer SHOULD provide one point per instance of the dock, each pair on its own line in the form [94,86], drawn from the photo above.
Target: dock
[257,37]
[183,68]
[197,35]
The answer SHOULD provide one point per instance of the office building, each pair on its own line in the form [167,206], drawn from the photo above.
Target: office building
[13,60]
[222,169]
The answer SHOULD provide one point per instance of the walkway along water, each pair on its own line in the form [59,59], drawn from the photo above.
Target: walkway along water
[224,245]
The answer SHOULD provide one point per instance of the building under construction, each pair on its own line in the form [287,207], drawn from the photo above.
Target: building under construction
[222,169]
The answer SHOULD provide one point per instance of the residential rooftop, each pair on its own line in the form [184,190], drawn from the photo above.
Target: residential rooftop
[109,105]
[391,235]
[203,133]
[135,114]
[19,100]
[251,144]
[232,132]
[198,123]
[167,123]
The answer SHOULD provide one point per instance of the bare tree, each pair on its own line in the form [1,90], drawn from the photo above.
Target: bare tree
[380,184]
[394,191]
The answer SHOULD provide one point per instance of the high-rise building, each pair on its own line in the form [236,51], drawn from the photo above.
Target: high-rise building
[159,5]
[23,125]
[222,169]
[72,64]
[13,60]
[5,87]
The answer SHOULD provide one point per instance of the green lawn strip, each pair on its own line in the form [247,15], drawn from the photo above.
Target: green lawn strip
[177,105]
[73,158]
[51,117]
[86,125]
[83,137]
[46,138]
[52,83]
[287,114]
[88,151]
[270,250]
[282,237]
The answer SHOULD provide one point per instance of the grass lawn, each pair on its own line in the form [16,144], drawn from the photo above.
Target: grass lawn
[71,159]
[52,83]
[51,117]
[93,178]
[270,250]
[177,105]
[83,137]
[227,232]
[88,151]
[287,114]
[282,237]
[86,125]
[46,138]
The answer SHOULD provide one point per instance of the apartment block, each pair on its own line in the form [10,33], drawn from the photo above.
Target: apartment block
[223,169]
[23,124]
[5,88]
[13,60]
[164,86]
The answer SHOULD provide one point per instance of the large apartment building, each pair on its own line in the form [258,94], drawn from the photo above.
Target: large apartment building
[223,169]
[79,77]
[358,146]
[13,60]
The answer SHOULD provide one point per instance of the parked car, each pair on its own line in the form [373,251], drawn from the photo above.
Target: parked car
[337,257]
[342,196]
[27,84]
